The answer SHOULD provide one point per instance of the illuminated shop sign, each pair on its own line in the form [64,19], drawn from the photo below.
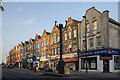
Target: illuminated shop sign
[100,52]
[107,56]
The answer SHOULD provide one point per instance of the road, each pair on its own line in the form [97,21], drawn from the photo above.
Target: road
[11,73]
[22,73]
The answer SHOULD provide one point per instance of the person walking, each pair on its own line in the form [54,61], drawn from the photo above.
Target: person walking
[35,69]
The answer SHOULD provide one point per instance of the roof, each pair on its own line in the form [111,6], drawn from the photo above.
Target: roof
[48,33]
[94,9]
[113,21]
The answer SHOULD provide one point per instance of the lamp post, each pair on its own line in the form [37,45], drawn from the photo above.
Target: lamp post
[86,42]
[61,62]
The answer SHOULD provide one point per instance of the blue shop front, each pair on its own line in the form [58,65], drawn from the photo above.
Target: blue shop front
[103,60]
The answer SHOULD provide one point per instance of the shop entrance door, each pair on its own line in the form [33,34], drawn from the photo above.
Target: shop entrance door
[106,65]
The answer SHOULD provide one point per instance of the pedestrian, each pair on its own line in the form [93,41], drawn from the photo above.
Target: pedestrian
[35,69]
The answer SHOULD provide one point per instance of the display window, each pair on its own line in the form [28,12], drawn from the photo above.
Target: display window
[91,63]
[117,62]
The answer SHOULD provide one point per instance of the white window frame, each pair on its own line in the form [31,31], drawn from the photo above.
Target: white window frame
[98,41]
[38,45]
[58,38]
[44,42]
[88,27]
[54,39]
[65,35]
[95,25]
[69,34]
[91,41]
[51,41]
[74,33]
[58,50]
[52,51]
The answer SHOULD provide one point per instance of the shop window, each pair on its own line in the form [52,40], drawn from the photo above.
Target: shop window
[91,63]
[117,62]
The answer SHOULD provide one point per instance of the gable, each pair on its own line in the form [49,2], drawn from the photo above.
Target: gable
[54,29]
[92,12]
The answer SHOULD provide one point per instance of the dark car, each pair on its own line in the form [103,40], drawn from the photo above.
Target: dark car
[48,69]
[9,66]
[41,68]
[31,68]
[3,66]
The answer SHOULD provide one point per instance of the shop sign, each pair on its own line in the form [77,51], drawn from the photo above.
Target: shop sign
[43,59]
[100,52]
[106,57]
[54,57]
[68,56]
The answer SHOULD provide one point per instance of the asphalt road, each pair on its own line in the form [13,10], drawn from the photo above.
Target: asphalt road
[22,73]
[11,73]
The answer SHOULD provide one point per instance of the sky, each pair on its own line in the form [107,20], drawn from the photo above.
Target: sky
[22,20]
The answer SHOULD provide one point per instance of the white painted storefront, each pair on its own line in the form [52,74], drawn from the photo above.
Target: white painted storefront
[100,64]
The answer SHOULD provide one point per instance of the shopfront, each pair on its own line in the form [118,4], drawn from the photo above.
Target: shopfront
[72,62]
[104,60]
[44,61]
[71,59]
[53,61]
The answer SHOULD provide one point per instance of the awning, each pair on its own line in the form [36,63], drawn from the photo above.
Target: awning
[70,60]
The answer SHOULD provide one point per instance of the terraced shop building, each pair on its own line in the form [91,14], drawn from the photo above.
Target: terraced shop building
[103,37]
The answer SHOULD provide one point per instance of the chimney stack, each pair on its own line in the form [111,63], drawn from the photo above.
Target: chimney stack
[55,23]
[65,22]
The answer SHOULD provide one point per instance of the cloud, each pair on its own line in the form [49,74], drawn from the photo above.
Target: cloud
[31,21]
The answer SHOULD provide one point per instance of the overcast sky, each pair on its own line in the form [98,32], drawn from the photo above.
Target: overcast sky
[22,20]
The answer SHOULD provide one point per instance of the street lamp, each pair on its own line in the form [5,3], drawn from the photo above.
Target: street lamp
[86,42]
[61,62]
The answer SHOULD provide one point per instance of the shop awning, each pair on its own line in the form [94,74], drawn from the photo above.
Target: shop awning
[70,60]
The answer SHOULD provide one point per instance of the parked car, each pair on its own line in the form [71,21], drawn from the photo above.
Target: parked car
[3,66]
[48,69]
[9,66]
[41,68]
[31,68]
